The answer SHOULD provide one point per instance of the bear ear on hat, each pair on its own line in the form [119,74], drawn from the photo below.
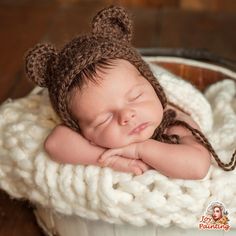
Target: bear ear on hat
[38,60]
[113,22]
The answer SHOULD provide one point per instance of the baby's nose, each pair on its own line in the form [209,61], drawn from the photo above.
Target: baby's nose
[126,116]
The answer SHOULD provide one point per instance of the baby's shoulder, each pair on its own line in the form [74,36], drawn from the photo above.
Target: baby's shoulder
[179,130]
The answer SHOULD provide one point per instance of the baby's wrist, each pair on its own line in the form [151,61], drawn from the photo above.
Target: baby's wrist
[140,150]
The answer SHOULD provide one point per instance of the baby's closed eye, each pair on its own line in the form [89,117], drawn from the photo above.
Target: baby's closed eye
[103,120]
[135,97]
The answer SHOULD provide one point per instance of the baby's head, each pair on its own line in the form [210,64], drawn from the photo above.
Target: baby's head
[115,105]
[98,83]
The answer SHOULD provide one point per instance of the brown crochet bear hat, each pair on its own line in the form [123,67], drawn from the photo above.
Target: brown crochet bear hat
[110,39]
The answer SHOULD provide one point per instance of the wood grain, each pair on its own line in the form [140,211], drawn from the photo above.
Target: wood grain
[25,22]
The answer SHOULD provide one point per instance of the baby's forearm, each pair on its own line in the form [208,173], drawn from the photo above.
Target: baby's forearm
[66,146]
[175,160]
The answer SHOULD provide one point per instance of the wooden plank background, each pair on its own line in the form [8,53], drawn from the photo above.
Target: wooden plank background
[158,23]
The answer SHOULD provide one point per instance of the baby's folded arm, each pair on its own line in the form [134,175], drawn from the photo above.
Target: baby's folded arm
[186,160]
[67,146]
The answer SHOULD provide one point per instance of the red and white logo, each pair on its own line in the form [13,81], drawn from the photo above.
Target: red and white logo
[215,218]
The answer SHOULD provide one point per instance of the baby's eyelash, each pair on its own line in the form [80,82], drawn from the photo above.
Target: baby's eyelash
[103,121]
[136,97]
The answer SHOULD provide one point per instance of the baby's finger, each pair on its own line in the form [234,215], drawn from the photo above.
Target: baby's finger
[124,164]
[108,154]
[109,162]
[143,166]
[136,170]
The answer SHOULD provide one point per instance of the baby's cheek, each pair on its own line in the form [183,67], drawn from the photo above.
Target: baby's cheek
[89,135]
[111,139]
[107,138]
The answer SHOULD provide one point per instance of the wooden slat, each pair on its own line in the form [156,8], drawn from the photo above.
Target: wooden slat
[205,30]
[144,3]
[200,77]
[16,218]
[21,27]
[25,22]
[208,5]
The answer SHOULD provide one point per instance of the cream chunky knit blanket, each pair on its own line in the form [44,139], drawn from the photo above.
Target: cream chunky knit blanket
[101,193]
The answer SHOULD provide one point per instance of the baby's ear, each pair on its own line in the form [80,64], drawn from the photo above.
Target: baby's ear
[113,22]
[39,62]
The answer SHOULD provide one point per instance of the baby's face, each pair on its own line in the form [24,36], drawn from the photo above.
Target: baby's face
[123,108]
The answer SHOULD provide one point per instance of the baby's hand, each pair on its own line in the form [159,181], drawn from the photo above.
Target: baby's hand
[130,151]
[126,165]
[121,159]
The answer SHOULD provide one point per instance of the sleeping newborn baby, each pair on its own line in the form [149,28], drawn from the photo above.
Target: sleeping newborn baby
[118,110]
[114,111]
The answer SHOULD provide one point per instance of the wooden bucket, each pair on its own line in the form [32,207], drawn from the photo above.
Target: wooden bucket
[201,74]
